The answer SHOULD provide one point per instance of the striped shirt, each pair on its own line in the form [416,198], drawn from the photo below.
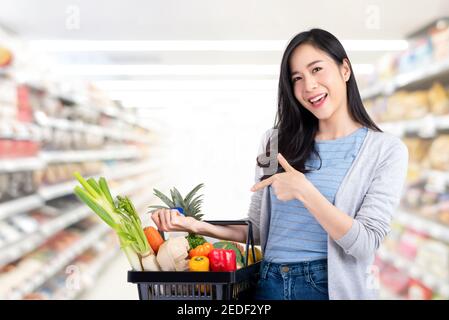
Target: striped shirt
[294,233]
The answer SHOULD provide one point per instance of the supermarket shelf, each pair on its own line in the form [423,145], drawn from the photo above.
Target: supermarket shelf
[424,276]
[17,250]
[31,242]
[434,229]
[58,190]
[62,189]
[420,75]
[20,205]
[114,133]
[90,155]
[426,127]
[60,262]
[21,164]
[65,220]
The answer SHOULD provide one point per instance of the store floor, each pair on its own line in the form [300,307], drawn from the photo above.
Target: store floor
[112,284]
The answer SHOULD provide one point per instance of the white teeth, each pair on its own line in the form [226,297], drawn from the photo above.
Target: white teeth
[317,98]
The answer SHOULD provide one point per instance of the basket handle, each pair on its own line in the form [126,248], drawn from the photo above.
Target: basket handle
[249,238]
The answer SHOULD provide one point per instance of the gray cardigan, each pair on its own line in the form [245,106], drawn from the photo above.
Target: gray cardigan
[370,192]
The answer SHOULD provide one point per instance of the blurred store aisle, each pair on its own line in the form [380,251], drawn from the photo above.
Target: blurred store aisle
[111,284]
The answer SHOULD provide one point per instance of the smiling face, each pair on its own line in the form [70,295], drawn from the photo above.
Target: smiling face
[319,84]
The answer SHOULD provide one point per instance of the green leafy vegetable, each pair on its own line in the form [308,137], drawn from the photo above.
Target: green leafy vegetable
[122,217]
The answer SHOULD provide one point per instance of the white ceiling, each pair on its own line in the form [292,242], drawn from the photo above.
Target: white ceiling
[211,20]
[215,20]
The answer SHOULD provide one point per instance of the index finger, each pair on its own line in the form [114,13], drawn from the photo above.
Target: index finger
[262,184]
[284,163]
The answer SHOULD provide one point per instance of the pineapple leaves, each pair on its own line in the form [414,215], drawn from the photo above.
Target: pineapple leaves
[177,198]
[191,205]
[192,193]
[164,198]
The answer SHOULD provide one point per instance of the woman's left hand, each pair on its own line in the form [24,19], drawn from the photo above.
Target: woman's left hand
[287,185]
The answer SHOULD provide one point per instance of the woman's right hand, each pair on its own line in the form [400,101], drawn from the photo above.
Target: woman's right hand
[171,220]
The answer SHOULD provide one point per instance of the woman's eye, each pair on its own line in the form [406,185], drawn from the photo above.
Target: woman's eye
[316,69]
[296,78]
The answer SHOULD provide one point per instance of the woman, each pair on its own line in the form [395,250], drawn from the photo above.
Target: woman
[321,216]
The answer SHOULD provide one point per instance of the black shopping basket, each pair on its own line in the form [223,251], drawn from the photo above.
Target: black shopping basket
[188,285]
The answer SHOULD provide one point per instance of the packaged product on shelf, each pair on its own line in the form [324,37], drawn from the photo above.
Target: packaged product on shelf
[395,280]
[40,215]
[395,109]
[438,99]
[418,55]
[412,198]
[440,42]
[13,276]
[443,214]
[429,211]
[415,104]
[438,155]
[409,243]
[429,197]
[418,291]
[436,209]
[417,147]
[433,256]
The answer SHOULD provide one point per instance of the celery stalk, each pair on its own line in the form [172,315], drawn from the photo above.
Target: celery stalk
[122,217]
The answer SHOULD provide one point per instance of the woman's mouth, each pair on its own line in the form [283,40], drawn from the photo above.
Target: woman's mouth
[318,101]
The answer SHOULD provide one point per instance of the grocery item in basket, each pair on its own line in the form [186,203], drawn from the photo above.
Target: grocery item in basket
[258,253]
[154,238]
[237,248]
[195,240]
[173,253]
[201,250]
[190,206]
[199,263]
[222,260]
[122,217]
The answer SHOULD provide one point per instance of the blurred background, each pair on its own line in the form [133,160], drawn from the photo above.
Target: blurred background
[155,94]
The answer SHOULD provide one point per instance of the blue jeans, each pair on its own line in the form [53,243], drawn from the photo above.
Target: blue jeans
[297,281]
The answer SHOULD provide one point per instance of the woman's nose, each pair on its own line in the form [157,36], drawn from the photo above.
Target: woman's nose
[310,84]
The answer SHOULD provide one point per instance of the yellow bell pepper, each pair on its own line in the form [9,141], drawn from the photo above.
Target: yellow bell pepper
[199,263]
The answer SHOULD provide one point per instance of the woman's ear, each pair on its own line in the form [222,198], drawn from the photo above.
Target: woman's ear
[346,69]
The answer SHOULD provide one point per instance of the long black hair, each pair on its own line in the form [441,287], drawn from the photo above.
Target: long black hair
[296,126]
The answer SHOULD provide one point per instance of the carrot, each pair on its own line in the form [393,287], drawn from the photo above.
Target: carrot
[154,238]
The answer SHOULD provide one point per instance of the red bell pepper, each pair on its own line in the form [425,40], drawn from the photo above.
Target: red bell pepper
[222,260]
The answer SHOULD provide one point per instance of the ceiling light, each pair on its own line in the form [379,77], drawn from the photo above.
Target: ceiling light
[201,45]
